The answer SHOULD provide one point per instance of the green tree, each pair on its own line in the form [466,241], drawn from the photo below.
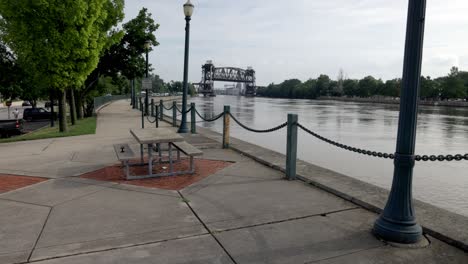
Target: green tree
[58,42]
[367,86]
[392,88]
[323,85]
[452,86]
[429,89]
[350,87]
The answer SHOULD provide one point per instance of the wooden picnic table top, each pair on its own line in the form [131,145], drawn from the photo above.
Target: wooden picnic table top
[155,135]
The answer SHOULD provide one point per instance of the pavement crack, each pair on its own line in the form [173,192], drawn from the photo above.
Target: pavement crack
[78,197]
[286,220]
[11,200]
[40,234]
[116,248]
[186,201]
[48,145]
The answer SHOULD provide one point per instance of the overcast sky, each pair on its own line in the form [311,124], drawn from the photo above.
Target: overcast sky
[303,38]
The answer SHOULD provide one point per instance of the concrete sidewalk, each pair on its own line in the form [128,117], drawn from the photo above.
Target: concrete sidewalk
[245,213]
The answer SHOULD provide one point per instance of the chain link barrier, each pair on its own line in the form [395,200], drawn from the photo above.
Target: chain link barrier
[259,130]
[167,108]
[207,119]
[456,157]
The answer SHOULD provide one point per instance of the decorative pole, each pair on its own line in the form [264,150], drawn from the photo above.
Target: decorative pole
[397,222]
[188,11]
[147,47]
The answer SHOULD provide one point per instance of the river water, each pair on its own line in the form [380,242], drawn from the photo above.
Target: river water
[441,130]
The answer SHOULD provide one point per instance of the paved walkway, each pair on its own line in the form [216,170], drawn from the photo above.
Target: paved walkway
[245,213]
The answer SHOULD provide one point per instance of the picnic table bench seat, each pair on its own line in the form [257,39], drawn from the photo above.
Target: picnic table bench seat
[124,155]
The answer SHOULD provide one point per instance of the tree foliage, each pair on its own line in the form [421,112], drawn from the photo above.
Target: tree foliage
[452,86]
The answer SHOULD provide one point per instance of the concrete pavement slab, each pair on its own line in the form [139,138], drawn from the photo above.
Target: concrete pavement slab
[51,192]
[303,240]
[437,252]
[194,250]
[242,204]
[112,217]
[20,226]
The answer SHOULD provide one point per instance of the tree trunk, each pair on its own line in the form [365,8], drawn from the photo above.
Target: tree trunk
[71,98]
[52,119]
[79,107]
[62,111]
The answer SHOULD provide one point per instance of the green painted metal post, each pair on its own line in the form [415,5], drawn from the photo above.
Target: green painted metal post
[174,114]
[152,107]
[193,119]
[291,147]
[156,117]
[226,122]
[397,222]
[161,106]
[142,116]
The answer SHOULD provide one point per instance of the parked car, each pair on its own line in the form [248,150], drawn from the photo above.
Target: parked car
[31,114]
[26,103]
[9,128]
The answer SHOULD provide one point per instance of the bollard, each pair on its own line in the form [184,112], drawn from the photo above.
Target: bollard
[142,116]
[226,122]
[141,105]
[291,147]
[152,107]
[193,119]
[174,114]
[161,106]
[156,120]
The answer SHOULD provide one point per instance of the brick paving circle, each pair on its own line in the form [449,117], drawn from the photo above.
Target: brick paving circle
[203,168]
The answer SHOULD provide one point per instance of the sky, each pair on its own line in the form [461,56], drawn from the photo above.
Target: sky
[304,38]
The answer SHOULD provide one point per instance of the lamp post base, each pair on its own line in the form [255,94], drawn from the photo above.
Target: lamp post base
[183,130]
[397,231]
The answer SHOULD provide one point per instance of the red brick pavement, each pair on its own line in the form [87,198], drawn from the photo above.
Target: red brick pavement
[203,168]
[13,182]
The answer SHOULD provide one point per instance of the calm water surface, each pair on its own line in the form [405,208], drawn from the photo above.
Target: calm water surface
[441,130]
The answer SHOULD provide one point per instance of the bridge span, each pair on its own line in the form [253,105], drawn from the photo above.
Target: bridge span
[210,74]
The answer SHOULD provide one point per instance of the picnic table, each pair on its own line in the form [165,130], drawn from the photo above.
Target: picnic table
[156,136]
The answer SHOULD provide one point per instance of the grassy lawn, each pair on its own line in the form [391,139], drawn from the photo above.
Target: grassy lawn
[82,127]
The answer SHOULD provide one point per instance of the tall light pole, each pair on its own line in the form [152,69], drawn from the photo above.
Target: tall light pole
[188,11]
[147,48]
[397,222]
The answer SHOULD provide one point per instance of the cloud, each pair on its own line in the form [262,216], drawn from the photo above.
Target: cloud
[303,38]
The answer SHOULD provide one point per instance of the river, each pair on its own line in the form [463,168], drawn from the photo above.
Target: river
[441,130]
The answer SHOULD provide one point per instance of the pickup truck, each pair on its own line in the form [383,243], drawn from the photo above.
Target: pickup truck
[9,128]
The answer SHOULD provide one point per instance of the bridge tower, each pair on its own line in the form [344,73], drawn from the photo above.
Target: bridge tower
[207,83]
[250,87]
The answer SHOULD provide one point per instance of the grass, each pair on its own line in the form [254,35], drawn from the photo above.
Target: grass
[82,127]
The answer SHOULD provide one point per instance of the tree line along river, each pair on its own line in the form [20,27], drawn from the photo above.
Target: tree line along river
[441,130]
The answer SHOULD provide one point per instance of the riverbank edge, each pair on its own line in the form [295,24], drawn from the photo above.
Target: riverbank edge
[437,222]
[391,101]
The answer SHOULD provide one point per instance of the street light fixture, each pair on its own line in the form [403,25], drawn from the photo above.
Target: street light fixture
[147,48]
[188,11]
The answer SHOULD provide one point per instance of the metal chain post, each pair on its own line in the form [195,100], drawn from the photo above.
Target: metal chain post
[226,123]
[156,116]
[142,115]
[161,106]
[193,120]
[152,107]
[291,147]
[174,114]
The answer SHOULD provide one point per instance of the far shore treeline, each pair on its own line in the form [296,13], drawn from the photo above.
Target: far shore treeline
[452,86]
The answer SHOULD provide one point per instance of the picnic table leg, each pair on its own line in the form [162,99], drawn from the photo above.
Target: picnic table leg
[158,145]
[150,160]
[141,153]
[170,158]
